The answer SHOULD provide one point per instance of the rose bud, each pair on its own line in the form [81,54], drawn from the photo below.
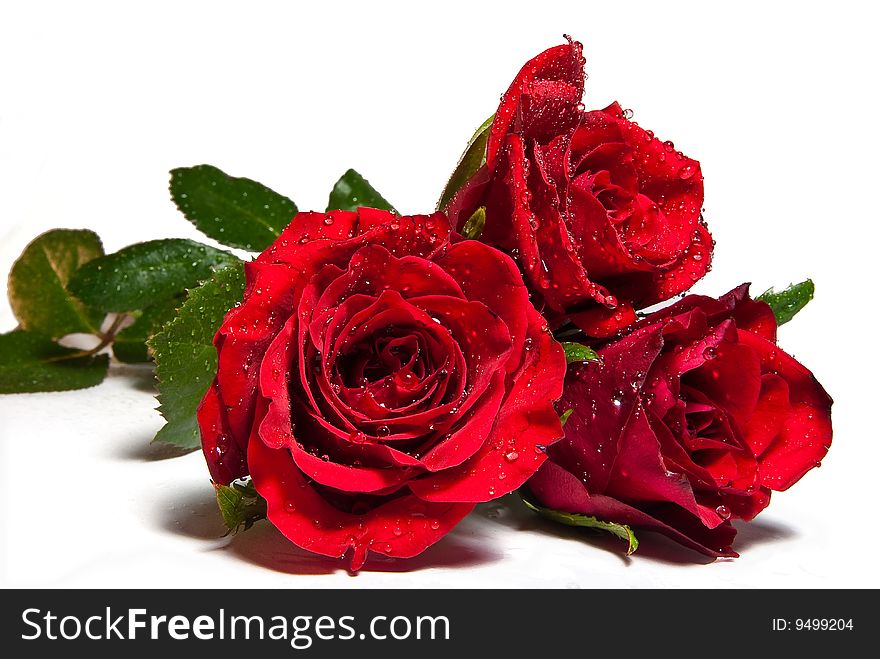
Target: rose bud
[602,217]
[686,423]
[379,379]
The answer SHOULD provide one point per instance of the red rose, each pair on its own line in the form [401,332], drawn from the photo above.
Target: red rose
[688,422]
[380,378]
[601,215]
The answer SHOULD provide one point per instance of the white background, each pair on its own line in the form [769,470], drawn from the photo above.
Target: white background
[99,100]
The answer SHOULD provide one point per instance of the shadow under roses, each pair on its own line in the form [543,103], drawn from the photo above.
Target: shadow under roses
[263,545]
[760,532]
[140,377]
[141,448]
[144,450]
[194,514]
[510,512]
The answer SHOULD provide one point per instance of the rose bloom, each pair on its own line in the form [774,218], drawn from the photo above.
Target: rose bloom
[687,423]
[602,216]
[380,377]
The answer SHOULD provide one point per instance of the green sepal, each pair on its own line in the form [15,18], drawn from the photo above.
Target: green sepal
[563,418]
[787,303]
[622,531]
[471,160]
[240,505]
[474,225]
[577,352]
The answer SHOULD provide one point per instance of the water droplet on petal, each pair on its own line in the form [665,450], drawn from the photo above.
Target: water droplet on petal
[686,172]
[357,437]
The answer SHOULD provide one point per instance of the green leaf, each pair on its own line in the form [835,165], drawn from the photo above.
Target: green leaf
[577,352]
[471,160]
[143,274]
[30,362]
[622,531]
[186,360]
[353,191]
[38,281]
[787,303]
[130,345]
[563,418]
[475,223]
[233,211]
[240,505]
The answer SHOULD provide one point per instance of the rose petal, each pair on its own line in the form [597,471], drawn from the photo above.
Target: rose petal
[602,322]
[297,509]
[526,424]
[493,279]
[555,79]
[671,180]
[687,270]
[373,269]
[731,378]
[226,459]
[677,459]
[806,436]
[745,504]
[599,245]
[771,411]
[472,430]
[602,396]
[244,337]
[348,478]
[639,475]
[413,235]
[555,488]
[335,226]
[320,238]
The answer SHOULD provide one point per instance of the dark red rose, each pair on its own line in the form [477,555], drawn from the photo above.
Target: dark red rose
[688,422]
[602,216]
[380,377]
